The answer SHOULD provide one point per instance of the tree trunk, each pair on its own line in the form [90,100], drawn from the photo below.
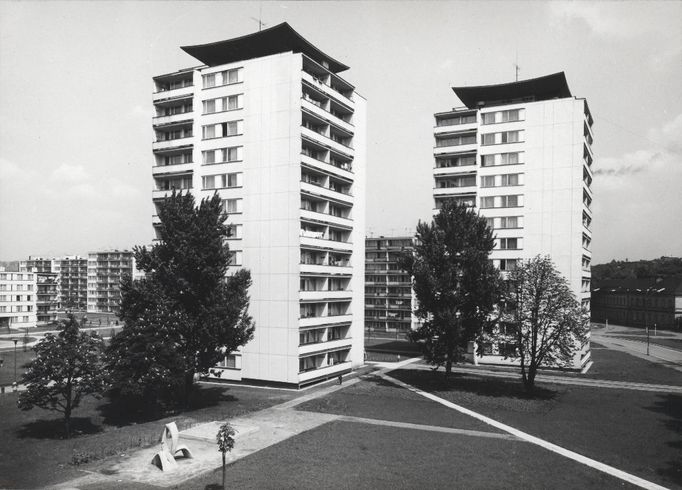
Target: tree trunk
[223,470]
[189,385]
[529,380]
[67,422]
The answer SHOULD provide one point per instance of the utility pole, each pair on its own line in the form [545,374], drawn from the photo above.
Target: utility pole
[15,362]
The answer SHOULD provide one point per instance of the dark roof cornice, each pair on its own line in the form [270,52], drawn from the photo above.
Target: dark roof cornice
[277,39]
[548,87]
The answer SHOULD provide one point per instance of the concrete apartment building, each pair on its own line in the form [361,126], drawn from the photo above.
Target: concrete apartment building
[17,299]
[520,153]
[389,300]
[47,288]
[105,271]
[645,302]
[73,281]
[268,123]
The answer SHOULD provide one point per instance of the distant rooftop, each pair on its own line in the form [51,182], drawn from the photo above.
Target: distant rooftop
[277,39]
[543,88]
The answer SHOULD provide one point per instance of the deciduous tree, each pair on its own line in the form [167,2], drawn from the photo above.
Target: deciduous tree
[455,282]
[548,323]
[66,368]
[186,298]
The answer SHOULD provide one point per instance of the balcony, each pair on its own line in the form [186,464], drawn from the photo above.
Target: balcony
[321,347]
[326,269]
[175,143]
[173,118]
[309,106]
[175,93]
[444,129]
[342,170]
[326,90]
[324,243]
[455,191]
[455,149]
[326,218]
[324,295]
[324,320]
[327,142]
[181,168]
[163,193]
[320,191]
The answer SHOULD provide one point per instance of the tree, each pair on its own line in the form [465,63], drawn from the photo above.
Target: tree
[548,323]
[455,282]
[225,440]
[186,300]
[66,368]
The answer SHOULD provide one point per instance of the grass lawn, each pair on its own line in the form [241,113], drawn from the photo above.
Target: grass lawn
[614,365]
[638,432]
[7,369]
[33,454]
[355,455]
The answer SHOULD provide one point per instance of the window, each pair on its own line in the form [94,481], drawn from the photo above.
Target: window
[510,137]
[487,202]
[232,206]
[501,138]
[508,264]
[509,243]
[230,128]
[230,76]
[229,361]
[488,181]
[509,158]
[466,139]
[208,132]
[488,118]
[509,222]
[488,139]
[209,80]
[235,258]
[209,106]
[509,201]
[510,179]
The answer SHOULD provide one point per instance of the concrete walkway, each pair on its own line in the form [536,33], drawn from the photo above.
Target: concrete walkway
[660,354]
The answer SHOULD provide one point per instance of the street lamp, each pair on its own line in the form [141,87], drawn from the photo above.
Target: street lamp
[15,360]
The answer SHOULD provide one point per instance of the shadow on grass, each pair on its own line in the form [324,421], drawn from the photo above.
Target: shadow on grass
[120,412]
[670,406]
[54,428]
[213,486]
[433,381]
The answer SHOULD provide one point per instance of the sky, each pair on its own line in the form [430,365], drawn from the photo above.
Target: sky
[76,105]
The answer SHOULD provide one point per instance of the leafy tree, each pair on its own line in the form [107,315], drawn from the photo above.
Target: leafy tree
[549,324]
[66,368]
[225,440]
[186,300]
[454,280]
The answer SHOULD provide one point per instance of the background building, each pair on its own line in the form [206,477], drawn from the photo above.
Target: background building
[268,124]
[17,299]
[105,271]
[389,300]
[641,302]
[73,281]
[521,154]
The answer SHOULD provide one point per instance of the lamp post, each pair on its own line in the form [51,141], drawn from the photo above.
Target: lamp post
[15,360]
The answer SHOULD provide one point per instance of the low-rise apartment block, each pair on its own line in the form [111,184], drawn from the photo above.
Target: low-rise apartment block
[17,299]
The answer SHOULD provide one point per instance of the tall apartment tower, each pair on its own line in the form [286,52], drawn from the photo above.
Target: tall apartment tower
[73,281]
[267,123]
[105,271]
[521,154]
[389,298]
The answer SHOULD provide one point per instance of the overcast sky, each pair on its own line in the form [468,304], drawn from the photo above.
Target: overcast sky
[75,105]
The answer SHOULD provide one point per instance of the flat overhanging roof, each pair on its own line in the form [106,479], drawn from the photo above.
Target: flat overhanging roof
[278,39]
[543,88]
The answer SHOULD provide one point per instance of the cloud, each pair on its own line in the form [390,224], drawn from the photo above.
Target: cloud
[66,173]
[144,112]
[120,190]
[637,198]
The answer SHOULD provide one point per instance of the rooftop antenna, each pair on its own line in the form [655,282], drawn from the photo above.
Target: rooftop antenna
[516,65]
[259,19]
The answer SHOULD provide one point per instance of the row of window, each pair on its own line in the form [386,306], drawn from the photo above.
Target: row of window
[223,155]
[222,130]
[503,222]
[510,201]
[509,243]
[16,309]
[502,138]
[222,104]
[502,116]
[11,276]
[503,180]
[221,181]
[221,78]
